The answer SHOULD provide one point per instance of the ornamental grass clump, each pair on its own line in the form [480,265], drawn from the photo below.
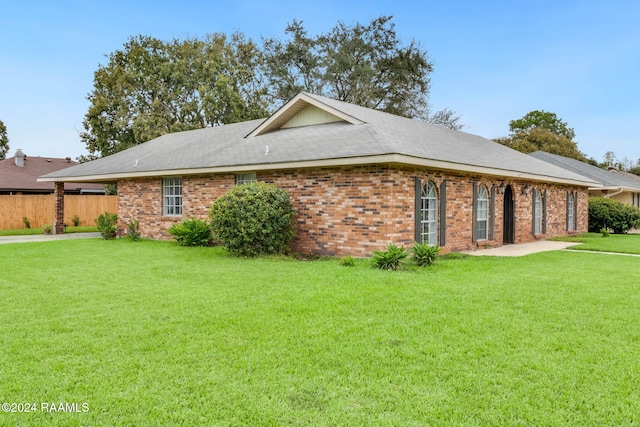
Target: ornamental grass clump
[254,219]
[424,254]
[391,259]
[191,232]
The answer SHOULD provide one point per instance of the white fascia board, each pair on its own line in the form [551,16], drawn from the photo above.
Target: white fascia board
[348,161]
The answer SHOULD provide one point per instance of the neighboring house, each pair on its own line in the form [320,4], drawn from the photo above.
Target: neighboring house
[359,179]
[615,185]
[19,175]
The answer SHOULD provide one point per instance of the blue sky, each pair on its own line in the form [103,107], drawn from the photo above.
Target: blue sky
[494,60]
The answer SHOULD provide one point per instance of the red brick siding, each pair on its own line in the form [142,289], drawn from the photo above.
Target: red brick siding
[356,210]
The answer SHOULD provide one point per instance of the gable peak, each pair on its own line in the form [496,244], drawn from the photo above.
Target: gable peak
[303,110]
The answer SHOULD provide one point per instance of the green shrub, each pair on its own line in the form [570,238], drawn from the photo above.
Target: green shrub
[192,232]
[107,225]
[605,232]
[253,219]
[611,214]
[133,230]
[347,261]
[75,221]
[391,259]
[27,223]
[424,254]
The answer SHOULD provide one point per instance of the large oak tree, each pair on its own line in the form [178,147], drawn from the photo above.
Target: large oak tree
[150,88]
[365,65]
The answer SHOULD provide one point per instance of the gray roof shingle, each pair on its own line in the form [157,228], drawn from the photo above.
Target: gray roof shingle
[607,179]
[380,134]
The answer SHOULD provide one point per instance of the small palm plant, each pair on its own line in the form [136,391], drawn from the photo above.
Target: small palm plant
[424,254]
[391,259]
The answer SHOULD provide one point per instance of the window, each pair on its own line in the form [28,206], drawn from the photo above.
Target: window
[172,196]
[537,212]
[571,217]
[482,213]
[429,214]
[245,178]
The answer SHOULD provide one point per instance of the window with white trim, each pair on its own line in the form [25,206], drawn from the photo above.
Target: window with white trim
[172,196]
[245,178]
[571,218]
[429,211]
[482,213]
[537,212]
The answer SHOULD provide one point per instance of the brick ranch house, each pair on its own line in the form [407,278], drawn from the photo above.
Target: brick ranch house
[359,179]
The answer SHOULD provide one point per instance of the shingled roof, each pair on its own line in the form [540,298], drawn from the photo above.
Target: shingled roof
[23,179]
[608,180]
[339,134]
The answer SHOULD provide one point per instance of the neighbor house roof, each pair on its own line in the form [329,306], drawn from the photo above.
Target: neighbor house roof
[315,131]
[24,179]
[608,180]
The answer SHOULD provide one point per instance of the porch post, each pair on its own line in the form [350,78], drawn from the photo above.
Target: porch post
[58,193]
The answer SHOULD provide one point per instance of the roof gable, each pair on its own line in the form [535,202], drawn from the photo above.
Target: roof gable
[303,110]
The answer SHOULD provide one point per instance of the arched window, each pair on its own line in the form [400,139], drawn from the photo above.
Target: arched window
[537,212]
[571,218]
[482,213]
[429,214]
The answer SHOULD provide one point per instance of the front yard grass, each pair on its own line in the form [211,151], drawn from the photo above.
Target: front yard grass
[617,243]
[148,333]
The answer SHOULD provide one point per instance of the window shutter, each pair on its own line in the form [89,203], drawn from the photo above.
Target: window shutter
[533,211]
[418,211]
[443,213]
[568,213]
[473,212]
[575,211]
[544,212]
[492,212]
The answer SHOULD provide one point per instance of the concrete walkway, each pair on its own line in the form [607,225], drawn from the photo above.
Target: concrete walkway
[535,247]
[47,237]
[521,249]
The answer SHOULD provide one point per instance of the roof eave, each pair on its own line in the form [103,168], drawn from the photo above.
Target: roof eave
[348,161]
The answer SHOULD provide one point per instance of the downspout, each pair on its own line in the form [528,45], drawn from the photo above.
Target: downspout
[608,196]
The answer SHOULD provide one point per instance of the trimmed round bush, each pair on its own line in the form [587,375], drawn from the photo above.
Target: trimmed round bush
[254,219]
[611,214]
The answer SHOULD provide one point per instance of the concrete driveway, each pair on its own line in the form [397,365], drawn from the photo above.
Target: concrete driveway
[46,237]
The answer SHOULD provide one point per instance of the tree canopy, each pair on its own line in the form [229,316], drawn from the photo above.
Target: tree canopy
[541,119]
[361,64]
[4,141]
[365,65]
[544,131]
[151,87]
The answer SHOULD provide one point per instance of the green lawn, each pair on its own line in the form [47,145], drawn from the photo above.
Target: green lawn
[151,334]
[621,243]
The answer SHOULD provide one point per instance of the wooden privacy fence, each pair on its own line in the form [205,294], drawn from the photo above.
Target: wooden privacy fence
[40,209]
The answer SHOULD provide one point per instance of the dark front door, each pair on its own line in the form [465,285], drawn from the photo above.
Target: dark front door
[508,229]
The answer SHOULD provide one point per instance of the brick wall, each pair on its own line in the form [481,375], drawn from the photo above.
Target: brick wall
[356,210]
